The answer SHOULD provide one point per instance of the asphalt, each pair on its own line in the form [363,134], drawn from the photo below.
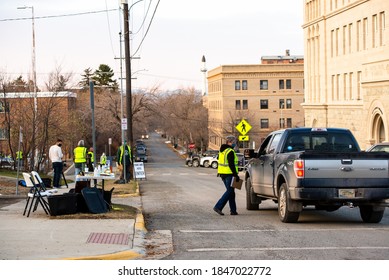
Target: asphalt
[42,237]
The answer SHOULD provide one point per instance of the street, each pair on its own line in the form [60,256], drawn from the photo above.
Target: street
[179,199]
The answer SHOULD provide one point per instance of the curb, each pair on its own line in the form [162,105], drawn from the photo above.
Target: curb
[137,252]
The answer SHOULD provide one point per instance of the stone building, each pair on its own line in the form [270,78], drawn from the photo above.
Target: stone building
[267,96]
[347,67]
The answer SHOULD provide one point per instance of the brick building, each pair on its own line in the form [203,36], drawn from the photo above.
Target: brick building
[267,95]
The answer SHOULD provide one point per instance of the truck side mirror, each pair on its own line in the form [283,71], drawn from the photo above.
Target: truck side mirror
[249,153]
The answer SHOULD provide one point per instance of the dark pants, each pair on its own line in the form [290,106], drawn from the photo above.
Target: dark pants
[228,196]
[128,173]
[58,167]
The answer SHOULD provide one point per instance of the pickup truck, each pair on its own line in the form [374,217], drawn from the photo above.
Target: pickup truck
[320,167]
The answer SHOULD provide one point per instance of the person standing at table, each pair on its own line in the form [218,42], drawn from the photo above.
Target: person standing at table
[79,157]
[103,159]
[55,155]
[90,159]
[124,157]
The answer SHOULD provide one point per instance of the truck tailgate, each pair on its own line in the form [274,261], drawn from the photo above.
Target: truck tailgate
[354,166]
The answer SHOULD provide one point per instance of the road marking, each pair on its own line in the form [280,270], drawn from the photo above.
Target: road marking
[287,248]
[278,230]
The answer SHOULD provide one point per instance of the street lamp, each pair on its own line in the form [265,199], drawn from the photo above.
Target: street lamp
[34,80]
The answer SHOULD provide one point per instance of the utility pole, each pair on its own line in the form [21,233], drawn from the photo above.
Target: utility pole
[127,55]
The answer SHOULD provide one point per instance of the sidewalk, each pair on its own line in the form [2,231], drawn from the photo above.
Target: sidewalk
[40,237]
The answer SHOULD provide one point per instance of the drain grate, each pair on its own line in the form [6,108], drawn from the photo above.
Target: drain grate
[108,238]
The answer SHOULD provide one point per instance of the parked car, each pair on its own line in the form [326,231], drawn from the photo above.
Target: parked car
[380,147]
[241,161]
[208,153]
[209,161]
[193,160]
[6,162]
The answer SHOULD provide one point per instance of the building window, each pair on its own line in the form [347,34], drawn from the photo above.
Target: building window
[237,105]
[264,123]
[281,103]
[263,85]
[288,103]
[289,122]
[245,105]
[288,84]
[244,85]
[237,85]
[264,104]
[281,84]
[282,123]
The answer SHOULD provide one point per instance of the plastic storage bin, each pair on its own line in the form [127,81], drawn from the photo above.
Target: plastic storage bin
[63,204]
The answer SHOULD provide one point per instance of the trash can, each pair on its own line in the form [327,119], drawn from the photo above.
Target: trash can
[63,204]
[47,182]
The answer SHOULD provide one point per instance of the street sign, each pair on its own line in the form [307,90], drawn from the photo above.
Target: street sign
[139,170]
[243,127]
[124,123]
[243,138]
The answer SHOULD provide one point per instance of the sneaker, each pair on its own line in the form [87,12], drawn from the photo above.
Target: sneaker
[218,211]
[234,213]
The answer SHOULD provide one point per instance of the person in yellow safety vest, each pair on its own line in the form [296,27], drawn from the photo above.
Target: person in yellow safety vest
[103,159]
[19,158]
[79,157]
[227,170]
[90,159]
[124,155]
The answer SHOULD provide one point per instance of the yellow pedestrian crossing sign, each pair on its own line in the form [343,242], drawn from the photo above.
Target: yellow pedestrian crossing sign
[243,138]
[243,127]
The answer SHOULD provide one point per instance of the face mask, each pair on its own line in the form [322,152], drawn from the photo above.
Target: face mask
[233,145]
[59,145]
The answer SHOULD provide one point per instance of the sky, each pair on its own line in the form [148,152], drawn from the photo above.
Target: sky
[71,36]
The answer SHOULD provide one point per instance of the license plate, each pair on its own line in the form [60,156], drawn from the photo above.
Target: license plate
[346,193]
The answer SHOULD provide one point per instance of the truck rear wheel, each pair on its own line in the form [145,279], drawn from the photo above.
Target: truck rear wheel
[371,215]
[284,204]
[252,201]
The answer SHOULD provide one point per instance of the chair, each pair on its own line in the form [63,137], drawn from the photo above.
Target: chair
[36,178]
[35,196]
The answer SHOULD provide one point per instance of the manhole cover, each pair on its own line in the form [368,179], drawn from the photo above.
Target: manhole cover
[108,238]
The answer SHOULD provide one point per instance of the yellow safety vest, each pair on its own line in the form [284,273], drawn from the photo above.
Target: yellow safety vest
[92,158]
[223,167]
[80,155]
[19,155]
[122,152]
[103,160]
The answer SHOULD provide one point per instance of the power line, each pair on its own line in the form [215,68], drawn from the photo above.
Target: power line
[64,15]
[148,28]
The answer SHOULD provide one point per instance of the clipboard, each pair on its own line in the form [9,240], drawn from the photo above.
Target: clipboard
[236,185]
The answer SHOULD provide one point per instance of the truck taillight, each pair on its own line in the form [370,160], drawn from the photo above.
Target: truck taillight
[299,168]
